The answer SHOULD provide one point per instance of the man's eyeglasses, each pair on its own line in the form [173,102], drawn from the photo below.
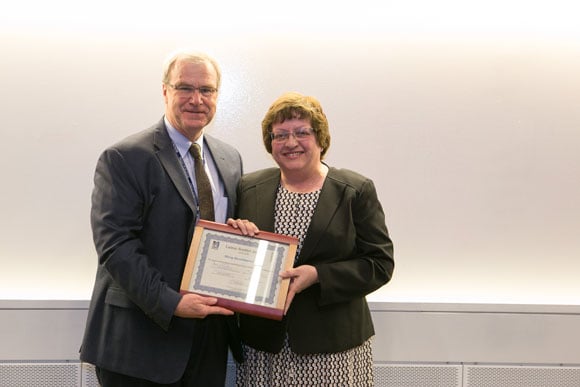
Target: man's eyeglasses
[188,91]
[299,134]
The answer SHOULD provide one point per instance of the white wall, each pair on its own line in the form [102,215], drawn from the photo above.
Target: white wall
[465,114]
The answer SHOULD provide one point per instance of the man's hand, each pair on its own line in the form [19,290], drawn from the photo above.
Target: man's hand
[196,306]
[301,277]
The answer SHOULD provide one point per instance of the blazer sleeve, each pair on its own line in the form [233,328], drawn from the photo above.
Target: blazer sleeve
[356,250]
[120,202]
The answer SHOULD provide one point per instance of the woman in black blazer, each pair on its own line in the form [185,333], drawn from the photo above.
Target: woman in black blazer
[344,253]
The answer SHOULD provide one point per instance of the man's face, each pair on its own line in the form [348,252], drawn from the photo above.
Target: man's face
[190,97]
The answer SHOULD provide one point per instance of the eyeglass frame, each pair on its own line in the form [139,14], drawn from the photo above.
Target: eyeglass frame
[204,91]
[299,134]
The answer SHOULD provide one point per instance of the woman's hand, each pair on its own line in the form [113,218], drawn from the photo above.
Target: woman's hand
[245,226]
[301,277]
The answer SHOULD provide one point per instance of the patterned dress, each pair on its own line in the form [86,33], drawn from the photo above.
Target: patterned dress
[352,368]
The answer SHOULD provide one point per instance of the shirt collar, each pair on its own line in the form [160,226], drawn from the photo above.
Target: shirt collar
[181,142]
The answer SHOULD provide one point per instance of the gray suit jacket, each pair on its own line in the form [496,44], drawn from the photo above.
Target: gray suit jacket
[348,243]
[142,217]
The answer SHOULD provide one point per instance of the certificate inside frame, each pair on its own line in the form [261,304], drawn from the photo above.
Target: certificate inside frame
[241,271]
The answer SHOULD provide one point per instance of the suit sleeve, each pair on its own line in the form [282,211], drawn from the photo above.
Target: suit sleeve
[120,203]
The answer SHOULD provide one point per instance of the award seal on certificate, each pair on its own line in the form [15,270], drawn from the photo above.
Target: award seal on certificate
[242,272]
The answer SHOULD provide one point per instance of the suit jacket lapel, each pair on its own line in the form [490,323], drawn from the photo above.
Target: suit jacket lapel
[225,170]
[328,203]
[168,157]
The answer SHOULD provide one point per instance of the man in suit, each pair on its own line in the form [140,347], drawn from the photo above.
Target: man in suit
[140,330]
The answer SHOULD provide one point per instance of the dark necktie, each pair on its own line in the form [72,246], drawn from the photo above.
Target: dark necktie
[204,195]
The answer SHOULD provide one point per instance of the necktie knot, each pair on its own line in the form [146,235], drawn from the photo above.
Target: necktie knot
[195,151]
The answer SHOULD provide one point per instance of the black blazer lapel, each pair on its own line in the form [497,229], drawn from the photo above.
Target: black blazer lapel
[328,203]
[265,202]
[258,196]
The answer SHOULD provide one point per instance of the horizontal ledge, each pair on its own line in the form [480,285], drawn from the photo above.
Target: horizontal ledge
[473,308]
[44,304]
[374,306]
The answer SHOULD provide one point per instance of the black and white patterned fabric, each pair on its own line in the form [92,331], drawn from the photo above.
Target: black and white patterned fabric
[352,368]
[293,212]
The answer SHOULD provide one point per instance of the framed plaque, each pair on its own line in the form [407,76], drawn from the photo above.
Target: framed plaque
[241,271]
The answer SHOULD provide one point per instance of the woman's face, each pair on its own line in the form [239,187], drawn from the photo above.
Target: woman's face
[299,152]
